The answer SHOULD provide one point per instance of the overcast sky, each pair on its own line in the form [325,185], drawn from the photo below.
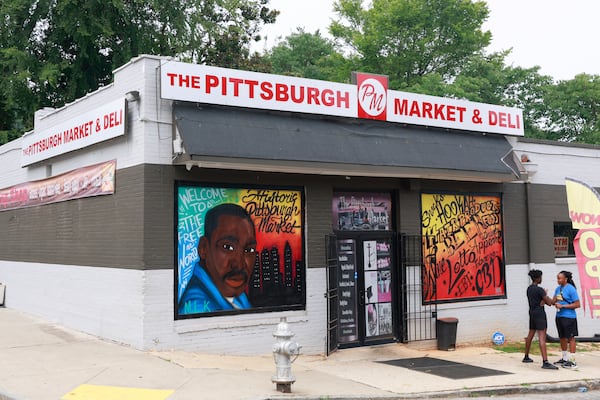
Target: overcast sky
[561,36]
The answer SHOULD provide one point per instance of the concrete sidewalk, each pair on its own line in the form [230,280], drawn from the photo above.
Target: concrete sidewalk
[43,361]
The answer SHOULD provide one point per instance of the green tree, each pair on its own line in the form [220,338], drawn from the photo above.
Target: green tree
[487,79]
[571,110]
[55,51]
[308,55]
[409,39]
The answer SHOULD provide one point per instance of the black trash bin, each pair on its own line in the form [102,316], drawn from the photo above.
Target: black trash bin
[445,329]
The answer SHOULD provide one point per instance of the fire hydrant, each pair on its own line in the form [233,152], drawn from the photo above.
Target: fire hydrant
[285,353]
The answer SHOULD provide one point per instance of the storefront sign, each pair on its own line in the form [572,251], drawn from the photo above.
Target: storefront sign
[584,210]
[561,246]
[236,266]
[95,126]
[420,109]
[370,98]
[94,180]
[463,250]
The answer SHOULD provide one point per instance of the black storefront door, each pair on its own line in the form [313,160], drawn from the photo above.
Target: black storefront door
[366,288]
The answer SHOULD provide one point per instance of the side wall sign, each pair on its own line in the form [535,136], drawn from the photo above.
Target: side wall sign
[95,126]
[92,180]
[370,98]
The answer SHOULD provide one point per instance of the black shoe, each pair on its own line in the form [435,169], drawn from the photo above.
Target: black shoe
[570,365]
[547,365]
[526,359]
[560,362]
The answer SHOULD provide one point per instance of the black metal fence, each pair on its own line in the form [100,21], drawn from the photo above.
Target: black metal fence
[419,320]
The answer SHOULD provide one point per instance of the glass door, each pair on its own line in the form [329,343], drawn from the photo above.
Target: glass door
[377,278]
[366,292]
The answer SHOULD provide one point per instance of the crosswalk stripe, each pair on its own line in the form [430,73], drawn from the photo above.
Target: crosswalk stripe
[97,392]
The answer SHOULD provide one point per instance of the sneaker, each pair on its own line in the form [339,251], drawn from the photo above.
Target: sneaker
[547,365]
[526,359]
[560,362]
[570,365]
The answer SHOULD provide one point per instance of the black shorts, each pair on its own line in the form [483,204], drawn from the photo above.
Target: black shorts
[566,327]
[537,321]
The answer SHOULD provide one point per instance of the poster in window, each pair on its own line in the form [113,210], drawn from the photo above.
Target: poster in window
[238,250]
[463,247]
[357,211]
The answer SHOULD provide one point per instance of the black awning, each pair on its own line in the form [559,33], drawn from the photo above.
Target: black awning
[235,133]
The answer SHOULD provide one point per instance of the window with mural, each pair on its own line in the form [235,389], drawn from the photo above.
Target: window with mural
[239,249]
[463,247]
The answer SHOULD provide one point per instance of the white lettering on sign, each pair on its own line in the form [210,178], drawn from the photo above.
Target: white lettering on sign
[215,85]
[101,124]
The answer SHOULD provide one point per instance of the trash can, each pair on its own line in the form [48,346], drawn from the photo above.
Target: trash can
[445,329]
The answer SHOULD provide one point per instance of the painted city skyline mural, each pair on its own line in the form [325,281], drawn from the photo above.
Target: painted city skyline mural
[257,266]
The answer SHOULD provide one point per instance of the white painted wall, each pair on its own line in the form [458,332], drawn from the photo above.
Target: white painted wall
[587,326]
[241,334]
[552,163]
[136,308]
[479,320]
[105,302]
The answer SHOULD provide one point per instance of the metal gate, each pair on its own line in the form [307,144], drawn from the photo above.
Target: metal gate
[418,320]
[332,293]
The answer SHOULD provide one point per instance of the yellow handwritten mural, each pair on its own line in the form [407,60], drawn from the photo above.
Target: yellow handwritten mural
[462,247]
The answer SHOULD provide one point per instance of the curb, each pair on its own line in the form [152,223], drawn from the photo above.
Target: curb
[537,388]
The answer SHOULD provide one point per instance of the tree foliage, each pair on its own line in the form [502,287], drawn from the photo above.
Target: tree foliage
[308,55]
[408,39]
[54,51]
[571,110]
[437,47]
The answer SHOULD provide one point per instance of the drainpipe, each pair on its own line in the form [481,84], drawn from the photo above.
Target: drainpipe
[529,223]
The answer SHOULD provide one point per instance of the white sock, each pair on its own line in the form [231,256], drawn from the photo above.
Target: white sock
[569,357]
[565,355]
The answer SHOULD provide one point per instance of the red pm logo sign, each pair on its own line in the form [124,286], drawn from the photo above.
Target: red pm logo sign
[372,96]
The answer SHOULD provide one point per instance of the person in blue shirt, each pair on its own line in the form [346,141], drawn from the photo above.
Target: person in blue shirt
[566,301]
[227,253]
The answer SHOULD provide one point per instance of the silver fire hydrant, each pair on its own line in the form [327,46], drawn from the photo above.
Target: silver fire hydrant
[285,353]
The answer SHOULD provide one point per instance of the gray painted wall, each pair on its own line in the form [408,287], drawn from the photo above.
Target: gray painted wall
[95,231]
[133,229]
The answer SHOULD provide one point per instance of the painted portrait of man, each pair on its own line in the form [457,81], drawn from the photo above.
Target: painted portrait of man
[238,250]
[227,253]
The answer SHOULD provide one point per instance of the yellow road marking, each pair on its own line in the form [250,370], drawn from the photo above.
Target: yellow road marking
[96,392]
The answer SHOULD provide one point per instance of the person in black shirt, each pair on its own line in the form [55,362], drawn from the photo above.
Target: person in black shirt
[537,298]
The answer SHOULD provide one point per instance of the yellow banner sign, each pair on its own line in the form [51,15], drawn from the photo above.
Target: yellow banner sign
[584,211]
